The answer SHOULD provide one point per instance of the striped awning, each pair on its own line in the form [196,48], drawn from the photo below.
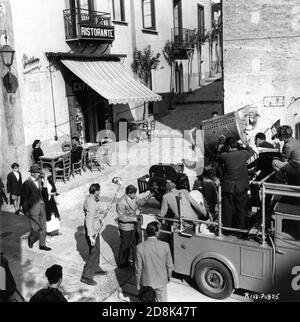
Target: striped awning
[111,80]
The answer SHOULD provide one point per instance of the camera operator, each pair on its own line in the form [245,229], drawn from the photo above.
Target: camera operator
[128,216]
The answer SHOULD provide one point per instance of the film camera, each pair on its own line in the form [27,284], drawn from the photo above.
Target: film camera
[159,175]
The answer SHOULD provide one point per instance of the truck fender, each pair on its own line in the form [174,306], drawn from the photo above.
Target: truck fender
[219,258]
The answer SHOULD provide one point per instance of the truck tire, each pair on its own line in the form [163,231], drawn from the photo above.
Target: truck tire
[213,279]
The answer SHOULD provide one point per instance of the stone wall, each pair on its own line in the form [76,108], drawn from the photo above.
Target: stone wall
[12,140]
[261,56]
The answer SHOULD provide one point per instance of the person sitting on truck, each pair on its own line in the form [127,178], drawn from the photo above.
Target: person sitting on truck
[261,142]
[235,183]
[262,166]
[207,187]
[289,165]
[176,201]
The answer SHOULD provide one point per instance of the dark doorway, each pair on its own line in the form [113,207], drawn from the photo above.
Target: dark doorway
[297,131]
[93,109]
[179,78]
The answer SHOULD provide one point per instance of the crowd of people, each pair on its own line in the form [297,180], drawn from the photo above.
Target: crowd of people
[151,259]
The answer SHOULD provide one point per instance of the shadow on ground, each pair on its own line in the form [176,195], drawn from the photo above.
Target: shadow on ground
[13,231]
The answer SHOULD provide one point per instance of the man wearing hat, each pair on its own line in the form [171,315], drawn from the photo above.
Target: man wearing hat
[51,293]
[34,207]
[235,183]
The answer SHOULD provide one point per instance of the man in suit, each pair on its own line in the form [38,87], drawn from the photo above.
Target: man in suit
[154,264]
[94,214]
[128,214]
[189,208]
[235,184]
[14,186]
[34,207]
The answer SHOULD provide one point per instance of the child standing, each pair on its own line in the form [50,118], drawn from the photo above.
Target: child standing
[14,186]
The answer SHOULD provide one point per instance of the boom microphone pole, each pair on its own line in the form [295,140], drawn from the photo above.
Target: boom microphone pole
[118,181]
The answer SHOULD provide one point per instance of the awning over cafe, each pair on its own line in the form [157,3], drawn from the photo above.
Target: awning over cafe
[111,80]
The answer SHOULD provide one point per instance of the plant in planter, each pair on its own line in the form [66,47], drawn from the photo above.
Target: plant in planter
[144,61]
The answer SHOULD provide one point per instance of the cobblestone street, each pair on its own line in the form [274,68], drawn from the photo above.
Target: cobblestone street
[70,249]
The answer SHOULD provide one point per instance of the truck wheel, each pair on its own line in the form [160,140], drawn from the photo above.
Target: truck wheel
[213,279]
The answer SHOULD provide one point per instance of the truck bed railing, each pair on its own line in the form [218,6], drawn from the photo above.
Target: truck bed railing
[267,188]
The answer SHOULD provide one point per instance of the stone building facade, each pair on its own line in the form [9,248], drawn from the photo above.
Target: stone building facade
[261,43]
[45,105]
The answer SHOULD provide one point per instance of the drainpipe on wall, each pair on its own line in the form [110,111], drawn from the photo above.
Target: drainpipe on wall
[133,25]
[53,104]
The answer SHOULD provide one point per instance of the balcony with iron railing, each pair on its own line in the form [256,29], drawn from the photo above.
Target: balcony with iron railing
[83,24]
[184,41]
[183,38]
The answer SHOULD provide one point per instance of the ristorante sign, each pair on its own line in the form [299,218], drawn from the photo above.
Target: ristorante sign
[103,33]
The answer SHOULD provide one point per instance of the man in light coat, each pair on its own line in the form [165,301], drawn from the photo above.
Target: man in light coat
[128,215]
[154,264]
[189,208]
[94,215]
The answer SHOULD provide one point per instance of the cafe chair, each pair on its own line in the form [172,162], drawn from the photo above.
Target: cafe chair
[84,159]
[150,129]
[77,166]
[63,168]
[66,146]
[31,159]
[94,160]
[105,154]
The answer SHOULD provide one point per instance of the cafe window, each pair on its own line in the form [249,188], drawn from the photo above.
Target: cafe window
[148,8]
[119,10]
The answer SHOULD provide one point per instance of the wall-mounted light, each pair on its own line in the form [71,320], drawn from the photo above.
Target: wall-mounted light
[10,81]
[7,54]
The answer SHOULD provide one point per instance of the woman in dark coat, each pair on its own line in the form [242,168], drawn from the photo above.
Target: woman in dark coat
[37,152]
[49,192]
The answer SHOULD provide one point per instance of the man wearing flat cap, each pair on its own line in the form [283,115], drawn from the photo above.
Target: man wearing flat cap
[34,207]
[51,293]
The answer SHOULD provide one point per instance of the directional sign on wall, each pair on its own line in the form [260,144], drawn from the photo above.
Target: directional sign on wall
[274,101]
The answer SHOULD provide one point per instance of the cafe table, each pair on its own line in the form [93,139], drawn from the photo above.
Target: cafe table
[50,159]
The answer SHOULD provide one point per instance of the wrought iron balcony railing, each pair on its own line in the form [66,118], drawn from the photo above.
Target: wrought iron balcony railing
[183,38]
[87,24]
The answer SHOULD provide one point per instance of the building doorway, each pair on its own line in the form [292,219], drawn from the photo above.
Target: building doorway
[179,78]
[297,131]
[89,112]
